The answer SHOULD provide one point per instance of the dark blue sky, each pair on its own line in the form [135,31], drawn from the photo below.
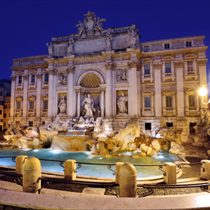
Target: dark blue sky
[27,25]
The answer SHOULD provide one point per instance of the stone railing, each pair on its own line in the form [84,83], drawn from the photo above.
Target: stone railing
[192,111]
[18,112]
[169,111]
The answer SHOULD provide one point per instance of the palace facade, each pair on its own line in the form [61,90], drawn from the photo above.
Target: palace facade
[160,79]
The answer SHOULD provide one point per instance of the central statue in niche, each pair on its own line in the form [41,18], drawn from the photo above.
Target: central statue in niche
[88,107]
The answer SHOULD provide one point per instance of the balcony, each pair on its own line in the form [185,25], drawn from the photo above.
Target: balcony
[191,75]
[18,112]
[192,111]
[148,112]
[31,112]
[45,85]
[44,112]
[19,86]
[169,111]
[147,78]
[168,77]
[32,85]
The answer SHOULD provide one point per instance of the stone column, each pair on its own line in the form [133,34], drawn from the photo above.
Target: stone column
[102,103]
[158,98]
[38,94]
[202,77]
[109,97]
[51,93]
[70,89]
[133,96]
[179,88]
[54,93]
[25,93]
[78,103]
[12,103]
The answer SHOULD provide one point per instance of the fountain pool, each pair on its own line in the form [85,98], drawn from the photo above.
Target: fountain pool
[91,170]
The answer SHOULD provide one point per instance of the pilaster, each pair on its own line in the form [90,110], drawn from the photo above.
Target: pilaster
[158,98]
[51,93]
[12,103]
[179,88]
[38,93]
[25,92]
[70,93]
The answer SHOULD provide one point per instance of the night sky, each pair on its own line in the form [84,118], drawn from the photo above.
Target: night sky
[27,25]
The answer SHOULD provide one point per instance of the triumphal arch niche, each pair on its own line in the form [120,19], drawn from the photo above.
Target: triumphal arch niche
[94,72]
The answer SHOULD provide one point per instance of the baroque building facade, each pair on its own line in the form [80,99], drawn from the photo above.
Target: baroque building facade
[155,81]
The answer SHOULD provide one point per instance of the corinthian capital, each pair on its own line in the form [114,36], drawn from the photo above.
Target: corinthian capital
[39,75]
[13,78]
[25,77]
[178,65]
[70,69]
[157,66]
[202,63]
[132,64]
[109,66]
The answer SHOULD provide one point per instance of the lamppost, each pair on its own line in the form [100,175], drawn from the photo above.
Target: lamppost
[203,93]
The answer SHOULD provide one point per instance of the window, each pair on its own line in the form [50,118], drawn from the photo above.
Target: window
[31,104]
[5,99]
[146,48]
[20,63]
[1,94]
[5,115]
[46,77]
[167,46]
[5,107]
[169,125]
[191,101]
[17,123]
[168,67]
[19,79]
[32,78]
[30,123]
[189,66]
[147,102]
[168,101]
[4,124]
[0,112]
[148,126]
[18,104]
[1,102]
[147,69]
[188,44]
[33,61]
[45,105]
[1,120]
[43,122]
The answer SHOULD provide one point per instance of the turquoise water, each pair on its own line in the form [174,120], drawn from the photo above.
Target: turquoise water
[90,170]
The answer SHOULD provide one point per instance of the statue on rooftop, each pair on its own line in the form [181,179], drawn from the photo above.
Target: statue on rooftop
[70,48]
[50,48]
[108,41]
[81,28]
[134,38]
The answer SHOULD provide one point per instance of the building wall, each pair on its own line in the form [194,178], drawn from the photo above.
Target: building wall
[173,94]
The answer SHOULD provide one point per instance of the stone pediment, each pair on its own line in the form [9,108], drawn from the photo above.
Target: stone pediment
[168,92]
[190,91]
[147,92]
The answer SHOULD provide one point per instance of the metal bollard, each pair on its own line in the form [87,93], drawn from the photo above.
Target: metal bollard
[170,173]
[32,175]
[117,170]
[205,169]
[70,170]
[127,180]
[20,160]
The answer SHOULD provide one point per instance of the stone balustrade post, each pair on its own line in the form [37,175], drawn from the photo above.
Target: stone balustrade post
[127,180]
[170,173]
[78,103]
[32,175]
[117,170]
[20,160]
[205,169]
[51,93]
[70,170]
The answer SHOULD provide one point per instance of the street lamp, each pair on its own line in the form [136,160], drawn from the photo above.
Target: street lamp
[203,93]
